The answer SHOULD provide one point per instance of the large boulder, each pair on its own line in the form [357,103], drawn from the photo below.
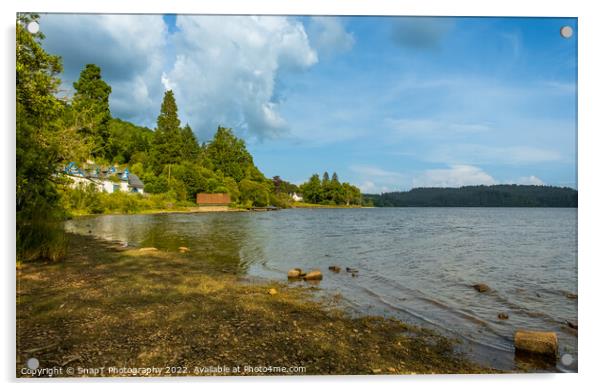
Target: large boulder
[536,342]
[313,275]
[295,273]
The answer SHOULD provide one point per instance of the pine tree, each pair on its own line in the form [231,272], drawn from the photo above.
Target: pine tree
[91,108]
[190,145]
[167,141]
[325,179]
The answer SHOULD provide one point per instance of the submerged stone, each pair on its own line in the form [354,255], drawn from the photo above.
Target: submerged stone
[480,287]
[295,273]
[536,342]
[313,275]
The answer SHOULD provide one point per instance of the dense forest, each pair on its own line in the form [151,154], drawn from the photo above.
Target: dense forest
[52,131]
[483,196]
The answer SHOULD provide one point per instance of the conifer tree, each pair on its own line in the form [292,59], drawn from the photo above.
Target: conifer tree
[91,109]
[167,141]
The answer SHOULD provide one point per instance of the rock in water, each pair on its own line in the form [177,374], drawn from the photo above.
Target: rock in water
[572,325]
[502,316]
[272,291]
[295,273]
[538,342]
[571,296]
[334,268]
[481,287]
[183,249]
[313,275]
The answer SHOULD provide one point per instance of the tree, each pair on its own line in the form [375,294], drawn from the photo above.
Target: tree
[190,145]
[325,179]
[43,142]
[91,108]
[254,193]
[127,142]
[229,155]
[312,190]
[167,141]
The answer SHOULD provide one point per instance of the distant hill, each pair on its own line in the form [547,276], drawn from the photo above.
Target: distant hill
[483,196]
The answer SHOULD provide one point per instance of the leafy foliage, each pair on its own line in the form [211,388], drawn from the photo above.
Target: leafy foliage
[330,191]
[44,140]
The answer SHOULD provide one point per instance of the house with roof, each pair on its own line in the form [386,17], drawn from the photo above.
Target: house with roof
[106,179]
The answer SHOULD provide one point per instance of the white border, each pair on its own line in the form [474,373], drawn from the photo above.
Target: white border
[589,35]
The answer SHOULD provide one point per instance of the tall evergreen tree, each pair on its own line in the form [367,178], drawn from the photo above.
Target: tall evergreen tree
[167,141]
[325,179]
[91,108]
[190,145]
[335,178]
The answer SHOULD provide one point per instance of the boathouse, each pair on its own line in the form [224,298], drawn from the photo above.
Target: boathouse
[206,199]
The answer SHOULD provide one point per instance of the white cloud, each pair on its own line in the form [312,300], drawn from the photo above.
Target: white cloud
[223,70]
[454,176]
[328,35]
[167,84]
[128,49]
[226,70]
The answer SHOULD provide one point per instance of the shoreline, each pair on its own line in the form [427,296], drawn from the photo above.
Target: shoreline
[181,312]
[186,210]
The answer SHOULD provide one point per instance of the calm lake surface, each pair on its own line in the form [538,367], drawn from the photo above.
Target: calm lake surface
[416,264]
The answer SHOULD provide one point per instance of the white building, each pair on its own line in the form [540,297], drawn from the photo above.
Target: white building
[107,180]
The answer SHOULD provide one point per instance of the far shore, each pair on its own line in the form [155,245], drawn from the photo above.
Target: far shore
[104,305]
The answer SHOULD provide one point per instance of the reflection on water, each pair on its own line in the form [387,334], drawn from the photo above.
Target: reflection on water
[414,263]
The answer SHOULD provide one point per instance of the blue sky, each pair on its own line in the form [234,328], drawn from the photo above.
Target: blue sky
[389,103]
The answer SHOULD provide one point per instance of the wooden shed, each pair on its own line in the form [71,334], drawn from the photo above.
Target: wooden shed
[213,199]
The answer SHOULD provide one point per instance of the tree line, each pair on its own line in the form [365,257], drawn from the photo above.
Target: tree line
[330,191]
[479,196]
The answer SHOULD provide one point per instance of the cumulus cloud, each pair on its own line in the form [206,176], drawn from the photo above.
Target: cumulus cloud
[226,70]
[454,176]
[128,48]
[328,35]
[420,32]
